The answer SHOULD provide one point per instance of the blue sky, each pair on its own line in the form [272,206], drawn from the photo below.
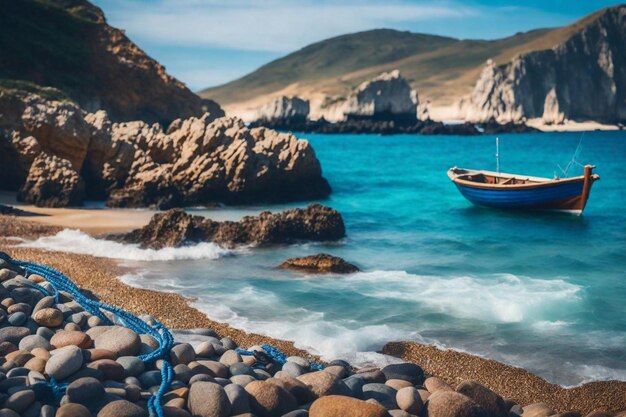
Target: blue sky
[209,42]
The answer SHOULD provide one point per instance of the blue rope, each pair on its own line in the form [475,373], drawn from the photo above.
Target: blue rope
[159,332]
[277,355]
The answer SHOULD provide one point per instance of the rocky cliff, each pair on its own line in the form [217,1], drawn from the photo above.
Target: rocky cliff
[387,96]
[57,154]
[582,78]
[68,44]
[283,108]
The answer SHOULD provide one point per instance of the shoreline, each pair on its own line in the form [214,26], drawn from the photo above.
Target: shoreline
[101,276]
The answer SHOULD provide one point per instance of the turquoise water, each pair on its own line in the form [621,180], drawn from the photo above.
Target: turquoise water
[543,291]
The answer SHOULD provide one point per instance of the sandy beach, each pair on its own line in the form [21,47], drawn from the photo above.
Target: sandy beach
[100,276]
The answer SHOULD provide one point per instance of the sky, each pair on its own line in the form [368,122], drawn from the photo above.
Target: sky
[209,42]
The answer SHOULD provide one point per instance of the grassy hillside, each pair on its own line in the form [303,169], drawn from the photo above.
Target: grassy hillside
[441,69]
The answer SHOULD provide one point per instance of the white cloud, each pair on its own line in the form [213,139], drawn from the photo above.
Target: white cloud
[274,25]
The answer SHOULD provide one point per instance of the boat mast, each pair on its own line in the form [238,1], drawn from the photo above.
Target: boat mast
[497,154]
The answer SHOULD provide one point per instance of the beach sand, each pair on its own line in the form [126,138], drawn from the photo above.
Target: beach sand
[99,275]
[93,221]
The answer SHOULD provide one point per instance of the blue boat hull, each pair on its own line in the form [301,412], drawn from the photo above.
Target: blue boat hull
[520,192]
[552,197]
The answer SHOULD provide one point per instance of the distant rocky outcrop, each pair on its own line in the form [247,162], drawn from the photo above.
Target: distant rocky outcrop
[382,127]
[385,97]
[57,154]
[175,228]
[284,109]
[385,104]
[320,263]
[583,78]
[69,45]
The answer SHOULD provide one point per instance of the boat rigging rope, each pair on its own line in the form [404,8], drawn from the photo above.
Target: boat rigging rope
[574,160]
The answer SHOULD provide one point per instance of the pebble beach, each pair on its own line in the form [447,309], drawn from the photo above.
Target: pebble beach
[211,379]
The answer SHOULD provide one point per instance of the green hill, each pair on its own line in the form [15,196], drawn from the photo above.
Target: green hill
[441,69]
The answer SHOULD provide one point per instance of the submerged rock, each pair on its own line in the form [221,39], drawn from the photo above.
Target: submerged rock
[176,228]
[320,263]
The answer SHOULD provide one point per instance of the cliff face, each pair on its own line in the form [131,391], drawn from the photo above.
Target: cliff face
[284,108]
[57,154]
[387,95]
[583,78]
[67,44]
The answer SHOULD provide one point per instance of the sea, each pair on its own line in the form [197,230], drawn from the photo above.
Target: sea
[542,291]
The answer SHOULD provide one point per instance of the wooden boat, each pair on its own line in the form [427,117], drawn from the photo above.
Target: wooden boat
[510,191]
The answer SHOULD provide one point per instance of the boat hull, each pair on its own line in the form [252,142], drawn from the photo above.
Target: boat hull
[509,191]
[560,197]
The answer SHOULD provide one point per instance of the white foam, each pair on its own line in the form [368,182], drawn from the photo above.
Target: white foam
[312,332]
[501,298]
[75,241]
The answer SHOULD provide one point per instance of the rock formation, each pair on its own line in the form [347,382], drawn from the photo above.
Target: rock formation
[583,78]
[385,104]
[50,148]
[286,109]
[175,228]
[70,46]
[320,263]
[385,97]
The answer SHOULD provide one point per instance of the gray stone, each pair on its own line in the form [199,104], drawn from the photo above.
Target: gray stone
[400,413]
[182,353]
[294,369]
[204,378]
[261,374]
[47,411]
[120,340]
[242,380]
[407,371]
[20,401]
[207,399]
[216,369]
[64,362]
[205,350]
[238,398]
[86,391]
[228,343]
[150,378]
[33,341]
[382,393]
[13,334]
[241,368]
[17,319]
[132,365]
[45,333]
[230,357]
[300,361]
[182,373]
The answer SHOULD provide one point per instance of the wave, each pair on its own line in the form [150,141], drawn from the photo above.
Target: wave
[500,298]
[75,241]
[309,330]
